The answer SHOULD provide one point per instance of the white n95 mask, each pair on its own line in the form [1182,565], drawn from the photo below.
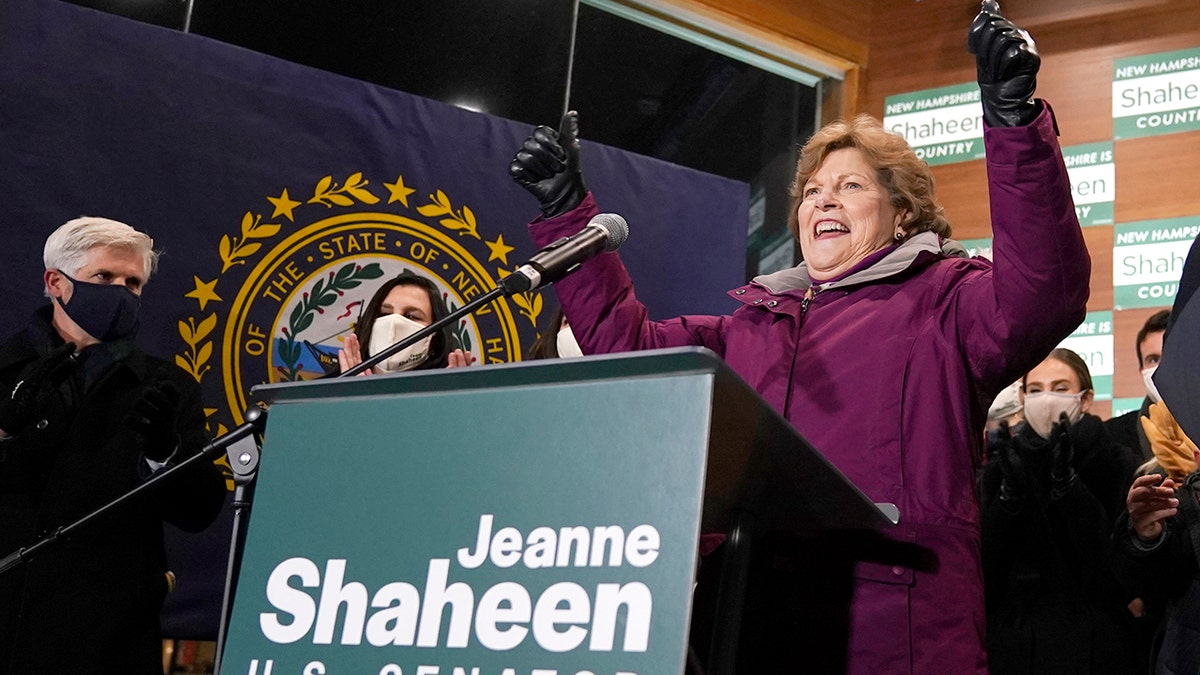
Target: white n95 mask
[392,328]
[1151,390]
[1043,410]
[566,343]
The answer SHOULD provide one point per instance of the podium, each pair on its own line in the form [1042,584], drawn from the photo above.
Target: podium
[537,518]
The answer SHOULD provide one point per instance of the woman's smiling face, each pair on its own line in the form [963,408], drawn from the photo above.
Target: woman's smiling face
[846,214]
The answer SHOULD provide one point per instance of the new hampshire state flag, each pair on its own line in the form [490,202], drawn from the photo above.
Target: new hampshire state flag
[282,196]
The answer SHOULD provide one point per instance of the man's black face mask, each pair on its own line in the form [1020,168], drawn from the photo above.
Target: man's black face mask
[105,311]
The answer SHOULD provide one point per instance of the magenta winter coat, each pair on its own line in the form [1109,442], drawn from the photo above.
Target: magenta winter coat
[888,373]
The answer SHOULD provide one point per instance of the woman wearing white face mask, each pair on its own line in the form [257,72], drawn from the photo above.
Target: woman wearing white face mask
[1050,499]
[403,305]
[557,341]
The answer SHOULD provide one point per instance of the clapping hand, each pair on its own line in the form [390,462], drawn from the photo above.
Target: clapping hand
[350,355]
[460,359]
[1014,481]
[1150,503]
[1062,459]
[1006,65]
[152,419]
[36,382]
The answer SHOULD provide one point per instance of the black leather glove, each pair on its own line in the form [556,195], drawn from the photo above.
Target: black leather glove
[548,166]
[1006,65]
[1062,457]
[1014,478]
[35,384]
[152,419]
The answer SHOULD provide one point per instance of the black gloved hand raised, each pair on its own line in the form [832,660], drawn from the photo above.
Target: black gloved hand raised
[152,419]
[1014,481]
[36,382]
[1062,459]
[548,166]
[1006,65]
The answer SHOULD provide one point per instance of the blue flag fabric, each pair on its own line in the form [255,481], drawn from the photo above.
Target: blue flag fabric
[282,196]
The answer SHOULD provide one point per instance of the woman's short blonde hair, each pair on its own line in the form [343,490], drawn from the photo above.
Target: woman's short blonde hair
[907,177]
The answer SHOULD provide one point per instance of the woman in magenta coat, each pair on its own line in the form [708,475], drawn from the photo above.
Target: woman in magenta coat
[884,346]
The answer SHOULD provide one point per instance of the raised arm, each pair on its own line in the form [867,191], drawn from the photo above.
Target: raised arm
[1037,291]
[598,298]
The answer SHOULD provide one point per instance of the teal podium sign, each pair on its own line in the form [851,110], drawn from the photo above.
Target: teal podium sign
[520,519]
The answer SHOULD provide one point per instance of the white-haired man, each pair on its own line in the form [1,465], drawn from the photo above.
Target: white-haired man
[85,416]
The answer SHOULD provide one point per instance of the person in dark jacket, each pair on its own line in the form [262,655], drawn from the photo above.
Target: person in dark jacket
[85,417]
[1156,550]
[1127,429]
[1050,499]
[883,347]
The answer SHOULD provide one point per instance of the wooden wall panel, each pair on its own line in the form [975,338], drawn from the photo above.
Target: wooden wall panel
[1157,177]
[1101,409]
[840,27]
[969,217]
[1099,240]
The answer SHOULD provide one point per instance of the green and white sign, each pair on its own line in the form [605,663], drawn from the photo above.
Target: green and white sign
[1120,406]
[943,125]
[1156,94]
[978,247]
[477,529]
[1093,179]
[1093,340]
[1148,260]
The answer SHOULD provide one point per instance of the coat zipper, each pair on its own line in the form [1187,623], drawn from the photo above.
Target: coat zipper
[804,303]
[808,298]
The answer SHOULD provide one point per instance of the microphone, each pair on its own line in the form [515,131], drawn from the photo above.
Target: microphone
[604,232]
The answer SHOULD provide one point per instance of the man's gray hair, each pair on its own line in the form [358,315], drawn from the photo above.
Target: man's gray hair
[67,247]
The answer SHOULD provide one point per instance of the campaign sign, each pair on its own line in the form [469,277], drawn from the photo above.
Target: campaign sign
[1093,341]
[1156,94]
[943,125]
[1148,260]
[1093,179]
[476,522]
[1120,406]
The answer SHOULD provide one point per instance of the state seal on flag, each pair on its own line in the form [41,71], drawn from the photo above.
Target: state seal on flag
[288,287]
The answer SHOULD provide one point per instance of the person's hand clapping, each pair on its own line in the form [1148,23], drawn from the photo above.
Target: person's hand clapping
[350,355]
[35,384]
[547,165]
[1062,459]
[1006,65]
[1014,482]
[1149,504]
[152,419]
[459,359]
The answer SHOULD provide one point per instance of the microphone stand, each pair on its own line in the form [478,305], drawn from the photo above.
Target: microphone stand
[241,446]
